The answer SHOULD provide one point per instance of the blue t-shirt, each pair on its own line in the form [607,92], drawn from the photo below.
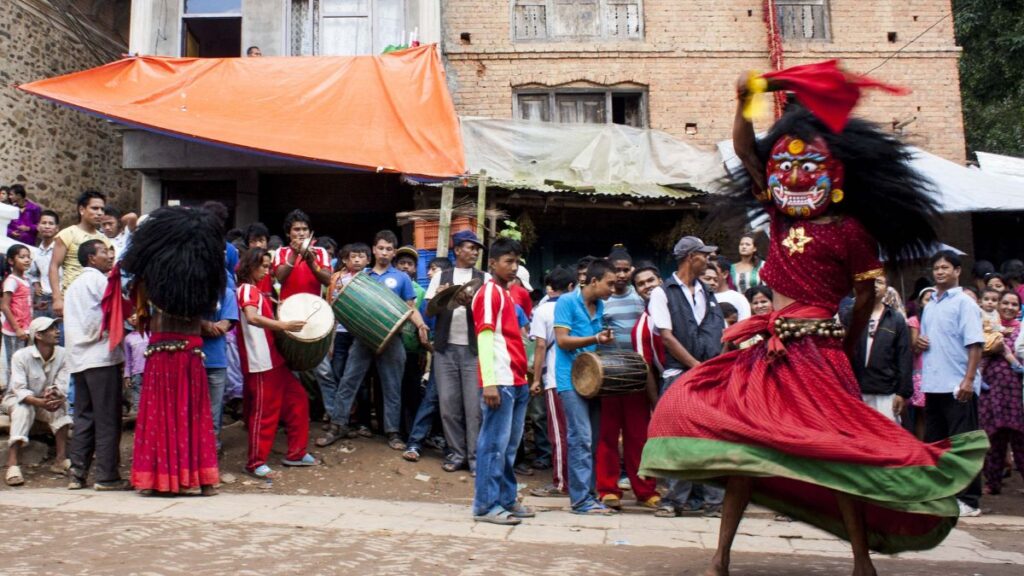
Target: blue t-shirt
[216,348]
[621,314]
[397,281]
[571,312]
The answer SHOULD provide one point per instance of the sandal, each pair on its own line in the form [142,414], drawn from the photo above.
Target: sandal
[307,460]
[364,432]
[666,511]
[612,501]
[14,477]
[521,511]
[263,472]
[549,491]
[595,509]
[61,467]
[450,466]
[395,441]
[411,455]
[333,435]
[76,483]
[498,516]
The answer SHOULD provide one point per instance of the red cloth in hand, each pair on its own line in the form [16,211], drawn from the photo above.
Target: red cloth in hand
[829,92]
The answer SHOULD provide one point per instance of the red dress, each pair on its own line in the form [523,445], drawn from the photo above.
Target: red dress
[175,450]
[796,423]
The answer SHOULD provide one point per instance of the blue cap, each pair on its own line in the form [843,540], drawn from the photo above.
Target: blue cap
[466,236]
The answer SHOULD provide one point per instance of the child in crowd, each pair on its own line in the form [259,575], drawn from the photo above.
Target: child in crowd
[16,303]
[995,332]
[272,393]
[730,313]
[352,259]
[135,344]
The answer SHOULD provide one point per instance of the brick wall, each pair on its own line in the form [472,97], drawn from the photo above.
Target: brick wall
[693,51]
[54,152]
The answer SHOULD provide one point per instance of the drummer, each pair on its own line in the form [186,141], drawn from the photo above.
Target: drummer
[302,268]
[455,358]
[391,360]
[271,393]
[578,328]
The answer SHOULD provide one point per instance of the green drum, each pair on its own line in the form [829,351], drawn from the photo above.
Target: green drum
[370,311]
[304,350]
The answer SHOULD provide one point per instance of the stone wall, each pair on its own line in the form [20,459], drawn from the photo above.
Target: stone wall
[55,152]
[692,52]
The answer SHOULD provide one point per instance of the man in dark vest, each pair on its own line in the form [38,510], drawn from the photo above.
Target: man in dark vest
[686,314]
[455,358]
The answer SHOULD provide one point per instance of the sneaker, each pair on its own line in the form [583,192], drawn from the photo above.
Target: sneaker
[967,511]
[112,486]
[523,469]
[624,483]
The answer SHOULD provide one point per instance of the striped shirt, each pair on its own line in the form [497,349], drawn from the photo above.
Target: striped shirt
[493,309]
[621,314]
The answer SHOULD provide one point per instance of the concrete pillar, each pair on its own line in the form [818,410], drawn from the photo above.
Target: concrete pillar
[155,28]
[152,191]
[264,25]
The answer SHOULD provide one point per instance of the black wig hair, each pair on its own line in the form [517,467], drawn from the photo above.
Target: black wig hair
[178,255]
[893,201]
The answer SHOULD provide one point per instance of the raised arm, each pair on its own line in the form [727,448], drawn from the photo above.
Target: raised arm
[743,139]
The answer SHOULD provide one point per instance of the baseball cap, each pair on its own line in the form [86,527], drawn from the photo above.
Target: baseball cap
[41,324]
[524,276]
[688,245]
[407,251]
[466,236]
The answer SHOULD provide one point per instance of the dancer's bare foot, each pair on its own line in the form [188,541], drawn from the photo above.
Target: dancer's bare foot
[718,567]
[865,569]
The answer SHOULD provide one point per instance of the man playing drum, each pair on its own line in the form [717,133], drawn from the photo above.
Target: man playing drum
[455,358]
[390,361]
[302,268]
[578,329]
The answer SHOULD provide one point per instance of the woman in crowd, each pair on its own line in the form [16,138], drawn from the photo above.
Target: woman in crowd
[916,409]
[996,282]
[1000,411]
[746,273]
[760,298]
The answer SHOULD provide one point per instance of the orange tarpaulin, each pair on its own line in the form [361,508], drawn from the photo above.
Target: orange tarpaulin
[388,113]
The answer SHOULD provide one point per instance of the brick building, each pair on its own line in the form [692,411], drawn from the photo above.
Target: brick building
[53,151]
[672,65]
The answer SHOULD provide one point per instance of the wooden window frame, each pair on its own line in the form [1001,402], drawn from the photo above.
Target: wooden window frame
[608,93]
[826,14]
[603,36]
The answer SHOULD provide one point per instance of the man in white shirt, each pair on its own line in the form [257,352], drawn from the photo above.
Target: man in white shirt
[686,314]
[38,391]
[455,358]
[560,280]
[96,370]
[39,272]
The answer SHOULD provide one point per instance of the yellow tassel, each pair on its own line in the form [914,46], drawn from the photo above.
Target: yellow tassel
[755,105]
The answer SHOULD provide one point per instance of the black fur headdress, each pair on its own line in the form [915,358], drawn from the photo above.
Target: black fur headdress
[177,254]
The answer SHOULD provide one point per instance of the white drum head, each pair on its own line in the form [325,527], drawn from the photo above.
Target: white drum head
[313,310]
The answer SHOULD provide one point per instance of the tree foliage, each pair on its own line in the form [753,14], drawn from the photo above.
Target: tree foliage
[991,33]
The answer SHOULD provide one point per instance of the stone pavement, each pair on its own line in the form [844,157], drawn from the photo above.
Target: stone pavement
[453,523]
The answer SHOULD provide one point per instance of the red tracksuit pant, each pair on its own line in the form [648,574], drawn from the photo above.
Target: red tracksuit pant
[557,437]
[269,398]
[628,415]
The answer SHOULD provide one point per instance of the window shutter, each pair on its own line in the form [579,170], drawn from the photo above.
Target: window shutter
[576,18]
[531,19]
[623,18]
